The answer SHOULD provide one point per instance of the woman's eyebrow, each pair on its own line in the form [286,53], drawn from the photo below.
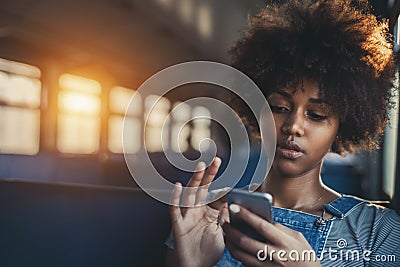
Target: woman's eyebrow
[311,100]
[284,94]
[317,101]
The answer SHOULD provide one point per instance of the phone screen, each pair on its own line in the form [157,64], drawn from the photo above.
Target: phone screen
[257,202]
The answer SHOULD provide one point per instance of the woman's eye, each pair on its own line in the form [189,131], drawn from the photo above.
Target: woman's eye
[317,117]
[279,109]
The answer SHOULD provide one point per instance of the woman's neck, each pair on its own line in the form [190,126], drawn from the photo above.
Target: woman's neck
[305,192]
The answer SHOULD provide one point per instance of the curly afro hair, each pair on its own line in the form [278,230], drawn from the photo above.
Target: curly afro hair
[337,43]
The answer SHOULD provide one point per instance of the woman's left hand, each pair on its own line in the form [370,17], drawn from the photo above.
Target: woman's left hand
[282,248]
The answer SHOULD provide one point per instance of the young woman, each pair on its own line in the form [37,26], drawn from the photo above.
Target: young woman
[326,68]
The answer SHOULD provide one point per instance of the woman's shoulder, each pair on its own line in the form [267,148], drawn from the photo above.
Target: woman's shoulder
[366,218]
[369,225]
[354,208]
[384,221]
[364,209]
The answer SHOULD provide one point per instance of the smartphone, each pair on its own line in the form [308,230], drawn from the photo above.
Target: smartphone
[257,202]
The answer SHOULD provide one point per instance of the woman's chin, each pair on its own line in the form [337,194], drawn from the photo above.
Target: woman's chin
[288,168]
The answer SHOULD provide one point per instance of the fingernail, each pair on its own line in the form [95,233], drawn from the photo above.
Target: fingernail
[200,166]
[234,208]
[217,159]
[221,222]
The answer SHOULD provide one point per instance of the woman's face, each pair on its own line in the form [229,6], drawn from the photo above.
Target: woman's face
[305,129]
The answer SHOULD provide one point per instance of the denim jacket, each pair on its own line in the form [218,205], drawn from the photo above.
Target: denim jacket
[358,234]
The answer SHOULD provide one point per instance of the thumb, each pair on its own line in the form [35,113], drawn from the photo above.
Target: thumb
[219,203]
[224,213]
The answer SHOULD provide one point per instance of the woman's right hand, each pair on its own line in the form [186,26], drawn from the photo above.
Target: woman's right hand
[198,238]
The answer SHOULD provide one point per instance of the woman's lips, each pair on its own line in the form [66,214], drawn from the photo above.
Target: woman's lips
[289,153]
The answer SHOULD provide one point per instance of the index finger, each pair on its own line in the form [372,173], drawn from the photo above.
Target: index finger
[265,228]
[175,211]
[198,175]
[211,171]
[209,175]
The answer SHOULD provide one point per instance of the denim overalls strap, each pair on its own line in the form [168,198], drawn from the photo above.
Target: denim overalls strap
[305,223]
[343,206]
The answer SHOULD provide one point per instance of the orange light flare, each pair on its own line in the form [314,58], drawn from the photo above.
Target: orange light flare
[73,102]
[79,95]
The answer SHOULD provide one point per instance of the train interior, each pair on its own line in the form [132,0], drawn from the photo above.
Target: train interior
[68,71]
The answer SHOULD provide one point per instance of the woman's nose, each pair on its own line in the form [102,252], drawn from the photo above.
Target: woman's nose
[294,124]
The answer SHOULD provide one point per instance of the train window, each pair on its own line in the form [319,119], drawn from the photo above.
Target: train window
[180,130]
[20,95]
[78,121]
[390,152]
[391,135]
[390,146]
[119,100]
[177,133]
[204,21]
[156,130]
[201,128]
